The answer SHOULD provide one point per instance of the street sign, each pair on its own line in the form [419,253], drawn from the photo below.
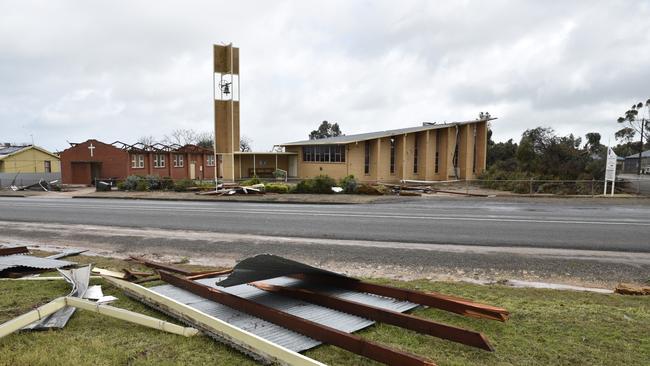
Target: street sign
[610,169]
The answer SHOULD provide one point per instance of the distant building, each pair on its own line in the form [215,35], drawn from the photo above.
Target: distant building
[427,152]
[84,162]
[631,164]
[27,159]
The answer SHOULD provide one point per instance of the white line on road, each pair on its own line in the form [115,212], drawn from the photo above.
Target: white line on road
[363,215]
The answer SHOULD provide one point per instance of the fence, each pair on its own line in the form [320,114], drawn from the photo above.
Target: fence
[25,179]
[636,185]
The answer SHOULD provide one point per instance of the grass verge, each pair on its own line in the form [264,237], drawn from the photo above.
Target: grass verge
[547,327]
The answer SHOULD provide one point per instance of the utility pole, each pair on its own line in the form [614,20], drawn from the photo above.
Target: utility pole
[643,122]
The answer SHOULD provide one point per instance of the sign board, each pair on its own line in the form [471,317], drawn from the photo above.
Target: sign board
[610,166]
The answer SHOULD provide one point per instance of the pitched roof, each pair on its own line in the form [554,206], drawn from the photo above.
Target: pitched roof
[645,154]
[346,139]
[6,151]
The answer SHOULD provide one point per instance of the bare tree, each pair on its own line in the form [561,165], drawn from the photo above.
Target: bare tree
[245,143]
[181,136]
[147,140]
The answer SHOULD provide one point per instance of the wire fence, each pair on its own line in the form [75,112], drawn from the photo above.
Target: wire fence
[532,186]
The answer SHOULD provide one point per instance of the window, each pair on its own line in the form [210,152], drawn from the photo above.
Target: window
[210,160]
[474,153]
[48,166]
[137,161]
[366,163]
[415,155]
[324,153]
[437,159]
[392,155]
[178,160]
[158,160]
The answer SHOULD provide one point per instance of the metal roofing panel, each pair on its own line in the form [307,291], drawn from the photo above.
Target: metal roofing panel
[19,260]
[346,139]
[265,266]
[645,154]
[274,333]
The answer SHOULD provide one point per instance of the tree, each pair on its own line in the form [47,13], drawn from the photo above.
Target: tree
[181,137]
[245,144]
[147,140]
[325,130]
[635,124]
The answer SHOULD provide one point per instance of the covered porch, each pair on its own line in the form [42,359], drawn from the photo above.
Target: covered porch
[264,164]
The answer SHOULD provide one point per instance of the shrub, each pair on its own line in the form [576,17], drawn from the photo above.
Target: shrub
[277,188]
[182,185]
[131,182]
[250,182]
[120,186]
[349,184]
[154,182]
[167,183]
[323,184]
[304,186]
[143,185]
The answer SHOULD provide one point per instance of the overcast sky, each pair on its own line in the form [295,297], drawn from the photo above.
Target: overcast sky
[118,70]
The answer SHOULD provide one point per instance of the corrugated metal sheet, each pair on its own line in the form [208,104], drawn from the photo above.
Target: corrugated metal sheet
[276,334]
[79,279]
[20,260]
[265,266]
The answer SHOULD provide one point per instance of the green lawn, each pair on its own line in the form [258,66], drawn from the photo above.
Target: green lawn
[547,327]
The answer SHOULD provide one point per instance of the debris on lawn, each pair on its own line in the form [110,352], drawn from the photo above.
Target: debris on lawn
[553,286]
[228,190]
[41,185]
[74,302]
[14,250]
[19,265]
[629,289]
[79,279]
[297,307]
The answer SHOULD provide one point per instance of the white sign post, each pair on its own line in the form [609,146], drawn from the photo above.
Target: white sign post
[610,170]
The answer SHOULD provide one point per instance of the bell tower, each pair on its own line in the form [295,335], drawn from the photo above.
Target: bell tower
[225,86]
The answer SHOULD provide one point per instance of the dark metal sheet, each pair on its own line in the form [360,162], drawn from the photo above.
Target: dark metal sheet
[265,266]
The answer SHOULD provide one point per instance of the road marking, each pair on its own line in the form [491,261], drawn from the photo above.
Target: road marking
[369,215]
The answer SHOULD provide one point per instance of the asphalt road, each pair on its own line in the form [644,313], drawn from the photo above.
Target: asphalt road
[569,224]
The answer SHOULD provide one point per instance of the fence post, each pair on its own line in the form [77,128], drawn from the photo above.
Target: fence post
[466,186]
[592,187]
[531,186]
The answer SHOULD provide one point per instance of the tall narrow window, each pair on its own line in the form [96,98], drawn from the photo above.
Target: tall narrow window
[392,155]
[456,151]
[48,166]
[366,162]
[415,155]
[437,159]
[474,153]
[159,161]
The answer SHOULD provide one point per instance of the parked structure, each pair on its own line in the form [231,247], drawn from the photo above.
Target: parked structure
[631,164]
[84,162]
[27,159]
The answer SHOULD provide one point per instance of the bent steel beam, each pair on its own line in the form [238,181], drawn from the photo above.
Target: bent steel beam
[401,320]
[449,303]
[163,266]
[303,326]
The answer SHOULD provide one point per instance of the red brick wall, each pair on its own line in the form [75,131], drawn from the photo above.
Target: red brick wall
[116,163]
[113,162]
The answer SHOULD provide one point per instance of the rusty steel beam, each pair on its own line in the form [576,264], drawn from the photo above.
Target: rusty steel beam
[163,266]
[209,274]
[13,250]
[306,327]
[433,299]
[406,321]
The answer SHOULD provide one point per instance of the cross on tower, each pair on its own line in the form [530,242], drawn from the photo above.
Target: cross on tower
[92,149]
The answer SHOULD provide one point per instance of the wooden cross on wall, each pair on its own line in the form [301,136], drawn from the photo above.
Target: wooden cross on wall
[92,149]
